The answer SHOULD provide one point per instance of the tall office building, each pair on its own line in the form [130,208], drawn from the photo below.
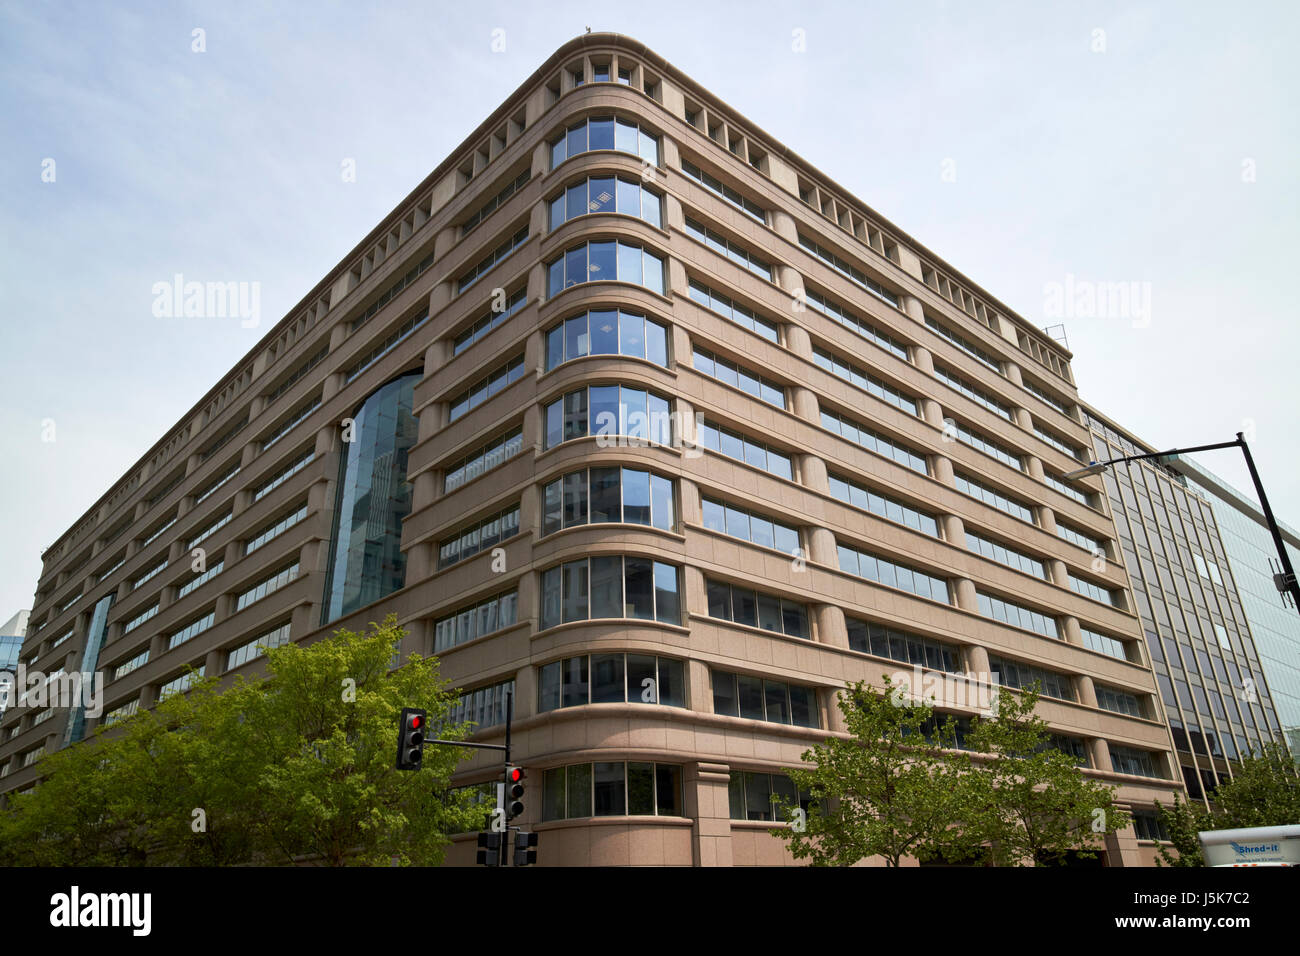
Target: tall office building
[656,428]
[11,643]
[1198,597]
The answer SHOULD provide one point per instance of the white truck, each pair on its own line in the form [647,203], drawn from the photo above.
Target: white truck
[1252,846]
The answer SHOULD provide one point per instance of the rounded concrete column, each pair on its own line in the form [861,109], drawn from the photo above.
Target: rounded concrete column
[954,529]
[941,468]
[922,359]
[1070,627]
[832,628]
[1087,690]
[912,306]
[805,404]
[784,226]
[797,341]
[688,494]
[821,548]
[967,599]
[932,412]
[812,473]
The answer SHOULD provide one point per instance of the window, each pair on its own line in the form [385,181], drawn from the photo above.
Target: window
[973,392]
[179,685]
[387,295]
[214,485]
[891,574]
[1010,673]
[373,497]
[605,132]
[996,499]
[1057,442]
[611,679]
[483,460]
[289,424]
[741,605]
[495,203]
[1119,701]
[393,339]
[750,526]
[1002,554]
[859,325]
[605,260]
[276,637]
[981,355]
[733,251]
[988,446]
[134,663]
[874,441]
[607,194]
[1016,615]
[489,262]
[200,579]
[737,376]
[195,627]
[1062,406]
[497,612]
[740,695]
[301,462]
[486,387]
[612,789]
[764,796]
[1147,825]
[480,536]
[714,185]
[845,268]
[157,533]
[906,648]
[267,586]
[275,529]
[209,530]
[139,619]
[1091,589]
[885,506]
[1127,760]
[742,448]
[728,309]
[604,410]
[1084,498]
[297,375]
[1080,538]
[608,495]
[611,586]
[135,585]
[62,638]
[1105,644]
[607,332]
[485,707]
[489,322]
[865,381]
[112,717]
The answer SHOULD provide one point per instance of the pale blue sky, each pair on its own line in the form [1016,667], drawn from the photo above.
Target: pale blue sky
[1117,166]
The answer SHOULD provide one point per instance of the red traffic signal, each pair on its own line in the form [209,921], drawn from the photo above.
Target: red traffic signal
[410,739]
[514,791]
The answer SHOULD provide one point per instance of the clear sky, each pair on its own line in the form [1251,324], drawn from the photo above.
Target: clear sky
[1035,146]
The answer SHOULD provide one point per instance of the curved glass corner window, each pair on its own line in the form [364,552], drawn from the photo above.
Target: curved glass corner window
[611,679]
[366,560]
[611,586]
[606,194]
[605,132]
[608,495]
[607,332]
[605,410]
[605,260]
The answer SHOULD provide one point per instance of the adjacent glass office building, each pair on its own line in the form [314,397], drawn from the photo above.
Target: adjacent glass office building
[1195,614]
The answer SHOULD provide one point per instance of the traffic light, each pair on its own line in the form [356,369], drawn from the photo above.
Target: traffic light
[410,739]
[489,848]
[514,792]
[525,848]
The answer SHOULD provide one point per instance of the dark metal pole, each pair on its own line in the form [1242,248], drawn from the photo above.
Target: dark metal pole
[1288,582]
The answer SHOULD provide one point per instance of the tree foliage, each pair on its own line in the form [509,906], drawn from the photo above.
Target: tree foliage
[889,791]
[1263,792]
[294,767]
[1040,807]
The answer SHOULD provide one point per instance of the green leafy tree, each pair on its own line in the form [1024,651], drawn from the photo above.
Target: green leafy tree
[1040,807]
[890,790]
[1263,792]
[294,767]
